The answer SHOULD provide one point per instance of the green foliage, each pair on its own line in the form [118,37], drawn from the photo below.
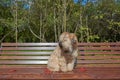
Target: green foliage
[43,22]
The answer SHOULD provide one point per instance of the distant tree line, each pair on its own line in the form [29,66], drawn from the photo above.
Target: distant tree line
[45,20]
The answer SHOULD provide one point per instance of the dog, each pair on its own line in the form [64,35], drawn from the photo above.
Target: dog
[65,54]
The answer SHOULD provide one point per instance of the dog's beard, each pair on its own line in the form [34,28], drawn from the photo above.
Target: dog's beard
[67,53]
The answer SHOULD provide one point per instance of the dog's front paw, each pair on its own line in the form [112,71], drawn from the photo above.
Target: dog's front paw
[64,69]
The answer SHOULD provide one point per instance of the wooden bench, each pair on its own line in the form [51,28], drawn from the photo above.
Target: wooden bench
[28,61]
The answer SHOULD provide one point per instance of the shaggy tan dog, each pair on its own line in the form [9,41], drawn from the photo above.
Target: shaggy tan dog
[64,56]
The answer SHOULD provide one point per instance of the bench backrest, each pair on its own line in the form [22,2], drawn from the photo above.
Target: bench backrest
[37,54]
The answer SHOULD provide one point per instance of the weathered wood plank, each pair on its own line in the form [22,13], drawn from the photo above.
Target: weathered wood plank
[99,52]
[28,48]
[44,65]
[54,44]
[92,73]
[98,61]
[99,48]
[52,48]
[24,57]
[22,62]
[26,53]
[47,57]
[45,62]
[29,44]
[100,44]
[48,53]
[106,57]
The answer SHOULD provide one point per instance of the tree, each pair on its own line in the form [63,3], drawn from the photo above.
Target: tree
[45,20]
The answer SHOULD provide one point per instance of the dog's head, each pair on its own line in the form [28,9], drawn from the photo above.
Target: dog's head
[68,42]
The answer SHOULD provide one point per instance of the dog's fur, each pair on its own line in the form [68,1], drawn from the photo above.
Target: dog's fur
[64,56]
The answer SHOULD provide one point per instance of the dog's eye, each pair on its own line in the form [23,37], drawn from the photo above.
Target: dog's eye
[73,41]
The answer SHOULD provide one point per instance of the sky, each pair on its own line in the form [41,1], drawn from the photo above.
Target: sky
[84,2]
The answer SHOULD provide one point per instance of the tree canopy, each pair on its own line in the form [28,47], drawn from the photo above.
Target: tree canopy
[45,20]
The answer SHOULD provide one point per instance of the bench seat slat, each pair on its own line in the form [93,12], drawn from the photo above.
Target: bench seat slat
[99,57]
[26,53]
[28,48]
[45,62]
[96,65]
[98,61]
[48,53]
[23,57]
[99,52]
[44,65]
[29,44]
[54,44]
[100,44]
[52,48]
[42,70]
[99,48]
[47,57]
[22,62]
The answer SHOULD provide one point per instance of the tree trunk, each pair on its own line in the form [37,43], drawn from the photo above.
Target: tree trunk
[64,15]
[87,29]
[55,25]
[15,18]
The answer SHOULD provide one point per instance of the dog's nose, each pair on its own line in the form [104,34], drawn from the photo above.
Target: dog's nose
[60,44]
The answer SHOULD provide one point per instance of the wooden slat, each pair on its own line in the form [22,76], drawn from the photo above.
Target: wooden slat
[26,53]
[95,65]
[99,48]
[22,62]
[23,66]
[47,57]
[28,48]
[45,62]
[52,48]
[98,61]
[44,65]
[99,52]
[48,53]
[37,70]
[29,44]
[99,44]
[54,44]
[24,57]
[99,57]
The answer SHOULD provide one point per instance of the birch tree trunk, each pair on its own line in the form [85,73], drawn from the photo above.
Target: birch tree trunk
[81,37]
[15,18]
[41,21]
[55,25]
[87,29]
[64,15]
